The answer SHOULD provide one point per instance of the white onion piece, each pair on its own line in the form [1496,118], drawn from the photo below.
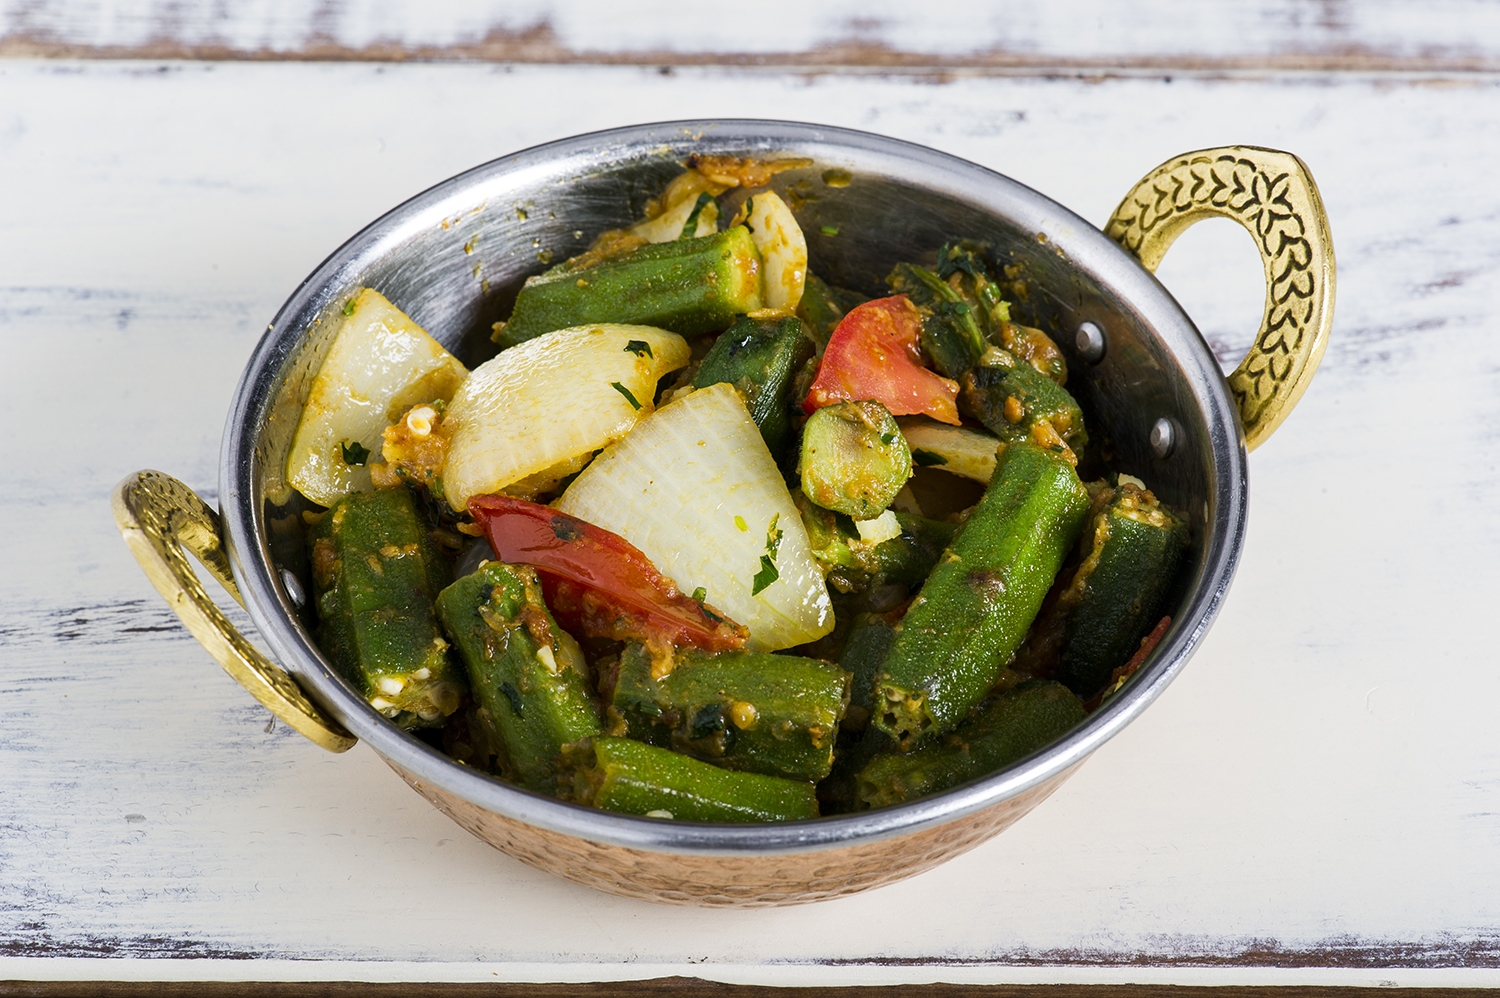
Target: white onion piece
[964,452]
[783,251]
[379,365]
[538,410]
[695,488]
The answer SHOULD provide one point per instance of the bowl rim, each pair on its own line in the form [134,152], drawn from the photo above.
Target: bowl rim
[1085,247]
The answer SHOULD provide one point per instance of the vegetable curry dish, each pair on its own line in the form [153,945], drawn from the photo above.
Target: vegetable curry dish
[709,539]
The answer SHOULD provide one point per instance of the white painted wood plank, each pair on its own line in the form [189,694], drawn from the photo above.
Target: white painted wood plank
[1455,33]
[1320,786]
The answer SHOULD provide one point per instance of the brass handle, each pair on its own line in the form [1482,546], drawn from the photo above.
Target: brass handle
[159,516]
[1273,196]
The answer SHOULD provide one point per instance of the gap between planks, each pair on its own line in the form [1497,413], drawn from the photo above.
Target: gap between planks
[539,46]
[689,987]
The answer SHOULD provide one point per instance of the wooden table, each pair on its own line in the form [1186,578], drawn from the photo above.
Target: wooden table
[1316,801]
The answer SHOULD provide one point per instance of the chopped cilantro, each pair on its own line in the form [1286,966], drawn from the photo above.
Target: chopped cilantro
[927,458]
[829,230]
[700,594]
[625,392]
[887,439]
[739,521]
[355,453]
[690,227]
[640,348]
[767,575]
[768,572]
[349,307]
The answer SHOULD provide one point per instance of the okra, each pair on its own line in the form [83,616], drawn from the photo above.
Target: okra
[853,564]
[376,574]
[688,286]
[964,267]
[1007,728]
[528,675]
[975,607]
[619,774]
[950,332]
[822,307]
[1135,546]
[771,714]
[1016,402]
[853,459]
[759,357]
[864,653]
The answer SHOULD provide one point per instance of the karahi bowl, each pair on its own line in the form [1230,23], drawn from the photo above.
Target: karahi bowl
[453,257]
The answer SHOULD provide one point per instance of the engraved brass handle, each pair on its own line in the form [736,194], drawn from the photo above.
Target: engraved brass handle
[1273,196]
[159,517]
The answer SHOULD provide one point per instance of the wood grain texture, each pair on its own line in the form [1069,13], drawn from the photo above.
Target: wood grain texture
[1315,801]
[1447,35]
[678,987]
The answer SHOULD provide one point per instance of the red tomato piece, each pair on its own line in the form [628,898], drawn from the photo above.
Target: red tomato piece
[597,582]
[873,354]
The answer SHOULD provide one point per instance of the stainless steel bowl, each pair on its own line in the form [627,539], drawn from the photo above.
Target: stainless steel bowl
[453,257]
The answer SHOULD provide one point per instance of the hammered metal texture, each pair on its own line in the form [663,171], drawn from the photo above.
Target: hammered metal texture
[735,881]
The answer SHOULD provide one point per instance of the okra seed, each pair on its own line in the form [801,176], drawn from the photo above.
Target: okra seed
[390,685]
[659,813]
[1090,342]
[422,673]
[1163,437]
[744,715]
[381,703]
[544,655]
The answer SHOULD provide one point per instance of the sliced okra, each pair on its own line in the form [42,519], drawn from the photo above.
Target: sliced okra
[853,564]
[1135,547]
[1016,402]
[772,714]
[1006,728]
[620,774]
[760,357]
[975,607]
[528,675]
[376,575]
[687,286]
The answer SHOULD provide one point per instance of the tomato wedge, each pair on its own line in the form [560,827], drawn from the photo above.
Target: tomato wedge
[596,582]
[873,354]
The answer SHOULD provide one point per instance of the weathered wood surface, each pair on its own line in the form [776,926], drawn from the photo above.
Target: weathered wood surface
[975,34]
[1316,800]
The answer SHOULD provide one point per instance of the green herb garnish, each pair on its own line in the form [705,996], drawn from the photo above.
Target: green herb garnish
[625,392]
[349,307]
[829,230]
[690,227]
[355,453]
[927,458]
[640,348]
[768,572]
[767,575]
[700,594]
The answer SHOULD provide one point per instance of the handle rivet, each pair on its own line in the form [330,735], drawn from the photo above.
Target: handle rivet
[1163,437]
[1090,342]
[294,590]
